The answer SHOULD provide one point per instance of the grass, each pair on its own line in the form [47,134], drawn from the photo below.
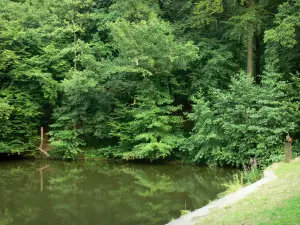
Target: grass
[241,180]
[276,203]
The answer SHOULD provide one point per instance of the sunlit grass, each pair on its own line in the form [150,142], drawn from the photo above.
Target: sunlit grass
[277,202]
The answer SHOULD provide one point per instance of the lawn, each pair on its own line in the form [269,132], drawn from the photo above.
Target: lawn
[276,203]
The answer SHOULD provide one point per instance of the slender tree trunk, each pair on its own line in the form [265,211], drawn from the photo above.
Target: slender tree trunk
[288,149]
[75,52]
[170,86]
[42,143]
[42,138]
[257,60]
[75,43]
[250,4]
[250,56]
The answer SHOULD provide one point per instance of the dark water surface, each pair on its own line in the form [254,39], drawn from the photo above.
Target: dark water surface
[102,193]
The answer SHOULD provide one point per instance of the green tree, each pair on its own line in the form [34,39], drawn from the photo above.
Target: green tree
[95,98]
[152,132]
[246,121]
[24,85]
[282,41]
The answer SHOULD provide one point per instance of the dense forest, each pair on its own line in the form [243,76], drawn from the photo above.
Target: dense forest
[205,81]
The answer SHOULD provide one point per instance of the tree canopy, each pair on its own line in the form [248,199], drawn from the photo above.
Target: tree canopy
[208,81]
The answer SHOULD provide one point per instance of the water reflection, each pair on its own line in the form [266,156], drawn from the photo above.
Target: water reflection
[101,193]
[41,176]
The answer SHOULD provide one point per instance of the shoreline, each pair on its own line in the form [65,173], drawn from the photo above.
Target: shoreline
[190,218]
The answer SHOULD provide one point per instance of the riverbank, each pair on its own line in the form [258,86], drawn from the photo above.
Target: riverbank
[276,202]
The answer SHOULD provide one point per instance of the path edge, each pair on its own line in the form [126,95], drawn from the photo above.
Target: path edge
[189,219]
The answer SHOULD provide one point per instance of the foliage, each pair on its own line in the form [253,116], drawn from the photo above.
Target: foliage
[25,87]
[283,45]
[251,176]
[207,10]
[140,46]
[287,21]
[19,118]
[117,76]
[151,131]
[66,144]
[246,24]
[214,68]
[134,10]
[98,109]
[246,121]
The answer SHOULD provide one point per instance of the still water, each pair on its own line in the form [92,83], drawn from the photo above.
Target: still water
[103,193]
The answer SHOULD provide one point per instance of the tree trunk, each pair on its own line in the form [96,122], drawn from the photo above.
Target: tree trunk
[75,43]
[170,87]
[288,149]
[250,56]
[75,53]
[257,60]
[42,142]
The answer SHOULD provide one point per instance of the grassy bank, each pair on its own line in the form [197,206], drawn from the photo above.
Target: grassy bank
[276,203]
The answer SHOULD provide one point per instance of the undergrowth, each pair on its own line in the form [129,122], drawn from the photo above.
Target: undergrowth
[241,180]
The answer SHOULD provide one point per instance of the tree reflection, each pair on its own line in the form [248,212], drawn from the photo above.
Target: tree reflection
[103,193]
[17,204]
[42,177]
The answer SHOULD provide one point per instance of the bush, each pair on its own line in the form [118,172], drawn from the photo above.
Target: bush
[247,120]
[66,143]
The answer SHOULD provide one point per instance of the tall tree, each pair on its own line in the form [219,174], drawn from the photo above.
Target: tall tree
[283,46]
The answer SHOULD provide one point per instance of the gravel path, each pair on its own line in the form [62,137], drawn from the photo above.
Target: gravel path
[190,219]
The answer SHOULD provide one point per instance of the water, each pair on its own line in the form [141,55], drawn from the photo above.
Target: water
[102,193]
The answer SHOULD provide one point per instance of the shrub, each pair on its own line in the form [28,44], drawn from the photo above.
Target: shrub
[245,121]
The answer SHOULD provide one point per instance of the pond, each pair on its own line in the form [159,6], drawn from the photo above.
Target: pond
[103,193]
